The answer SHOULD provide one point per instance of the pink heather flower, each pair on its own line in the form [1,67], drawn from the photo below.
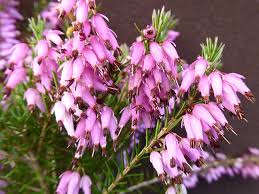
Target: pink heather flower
[9,16]
[74,183]
[188,80]
[137,51]
[90,121]
[78,68]
[172,35]
[42,49]
[113,40]
[230,95]
[96,134]
[63,183]
[69,101]
[171,103]
[98,48]
[204,88]
[158,77]
[88,98]
[67,5]
[68,124]
[182,162]
[216,84]
[19,53]
[218,115]
[91,58]
[113,127]
[101,28]
[203,114]
[33,99]
[78,44]
[197,130]
[169,167]
[200,66]
[54,36]
[86,28]
[235,80]
[148,64]
[85,184]
[59,110]
[156,160]
[81,11]
[125,117]
[50,15]
[149,32]
[106,115]
[67,73]
[170,51]
[171,144]
[156,52]
[103,144]
[188,128]
[37,67]
[80,129]
[191,153]
[17,76]
[170,190]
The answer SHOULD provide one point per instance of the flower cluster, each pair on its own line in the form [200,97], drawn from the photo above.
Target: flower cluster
[172,161]
[78,69]
[50,15]
[246,165]
[151,86]
[8,31]
[205,122]
[72,182]
[156,85]
[88,61]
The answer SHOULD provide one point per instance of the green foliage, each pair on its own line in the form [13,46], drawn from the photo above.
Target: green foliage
[163,21]
[37,26]
[212,51]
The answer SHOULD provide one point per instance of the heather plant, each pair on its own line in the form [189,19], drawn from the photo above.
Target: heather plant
[81,112]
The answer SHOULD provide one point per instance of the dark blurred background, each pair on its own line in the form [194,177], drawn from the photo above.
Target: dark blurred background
[236,23]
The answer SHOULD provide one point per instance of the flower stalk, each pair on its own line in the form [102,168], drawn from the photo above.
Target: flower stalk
[147,149]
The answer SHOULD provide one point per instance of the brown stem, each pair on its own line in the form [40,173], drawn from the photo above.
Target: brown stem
[147,149]
[205,169]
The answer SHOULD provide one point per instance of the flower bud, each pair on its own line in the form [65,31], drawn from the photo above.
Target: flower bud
[63,183]
[137,51]
[188,80]
[170,190]
[100,26]
[42,49]
[157,52]
[16,77]
[204,88]
[67,5]
[148,63]
[19,52]
[200,67]
[170,50]
[85,184]
[54,36]
[156,160]
[74,183]
[216,84]
[98,48]
[82,11]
